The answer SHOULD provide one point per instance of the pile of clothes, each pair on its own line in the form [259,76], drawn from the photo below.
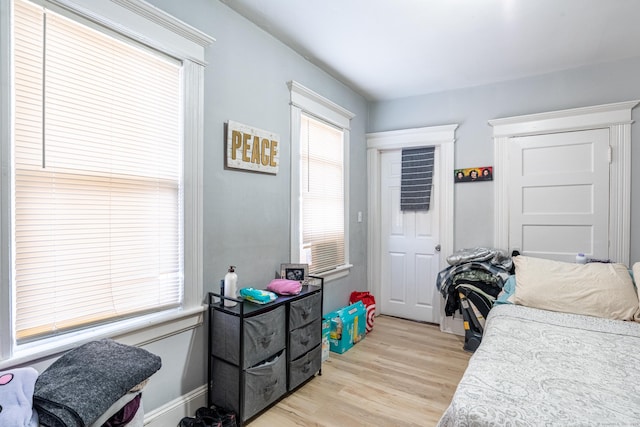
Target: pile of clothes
[471,284]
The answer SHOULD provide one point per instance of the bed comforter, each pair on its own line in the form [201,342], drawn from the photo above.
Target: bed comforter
[542,368]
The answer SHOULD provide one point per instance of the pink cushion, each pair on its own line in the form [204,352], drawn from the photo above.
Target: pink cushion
[284,287]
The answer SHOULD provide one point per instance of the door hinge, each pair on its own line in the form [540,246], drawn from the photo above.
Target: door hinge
[609,154]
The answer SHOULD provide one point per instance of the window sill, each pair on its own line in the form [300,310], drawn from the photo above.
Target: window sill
[338,273]
[134,332]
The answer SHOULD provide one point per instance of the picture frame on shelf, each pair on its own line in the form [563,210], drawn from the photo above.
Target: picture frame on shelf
[297,272]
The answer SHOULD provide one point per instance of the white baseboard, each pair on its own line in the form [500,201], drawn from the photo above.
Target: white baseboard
[170,414]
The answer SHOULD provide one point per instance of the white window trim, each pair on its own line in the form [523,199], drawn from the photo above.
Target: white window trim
[151,26]
[617,118]
[304,100]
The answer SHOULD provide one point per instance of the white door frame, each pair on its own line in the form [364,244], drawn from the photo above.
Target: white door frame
[377,142]
[617,118]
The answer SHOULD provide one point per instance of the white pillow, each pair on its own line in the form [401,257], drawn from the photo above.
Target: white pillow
[593,289]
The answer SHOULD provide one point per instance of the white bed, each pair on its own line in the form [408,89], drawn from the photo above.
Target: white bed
[541,368]
[537,367]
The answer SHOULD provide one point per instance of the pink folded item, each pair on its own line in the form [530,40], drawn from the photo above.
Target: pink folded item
[284,287]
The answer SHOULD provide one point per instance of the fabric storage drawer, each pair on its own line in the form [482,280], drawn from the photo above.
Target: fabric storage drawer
[224,389]
[264,335]
[264,384]
[305,310]
[305,367]
[305,338]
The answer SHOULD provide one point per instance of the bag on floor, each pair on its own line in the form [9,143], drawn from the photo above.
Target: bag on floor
[369,302]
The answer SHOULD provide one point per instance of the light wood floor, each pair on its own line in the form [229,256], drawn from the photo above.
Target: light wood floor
[403,373]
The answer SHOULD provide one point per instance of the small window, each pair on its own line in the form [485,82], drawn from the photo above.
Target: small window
[322,195]
[320,208]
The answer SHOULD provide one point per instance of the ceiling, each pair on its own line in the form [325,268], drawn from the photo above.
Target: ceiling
[388,49]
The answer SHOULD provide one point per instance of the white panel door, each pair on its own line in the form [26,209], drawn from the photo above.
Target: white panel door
[409,257]
[559,194]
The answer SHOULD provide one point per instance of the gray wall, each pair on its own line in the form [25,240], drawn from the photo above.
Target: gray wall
[473,107]
[246,215]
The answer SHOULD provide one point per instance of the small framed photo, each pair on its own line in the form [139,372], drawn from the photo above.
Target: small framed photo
[479,173]
[297,272]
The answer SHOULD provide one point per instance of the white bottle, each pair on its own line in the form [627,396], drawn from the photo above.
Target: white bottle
[230,285]
[581,259]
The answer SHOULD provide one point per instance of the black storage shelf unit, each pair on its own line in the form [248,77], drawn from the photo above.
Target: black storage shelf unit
[258,354]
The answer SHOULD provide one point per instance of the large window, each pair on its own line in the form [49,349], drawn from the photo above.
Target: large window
[320,135]
[97,176]
[100,213]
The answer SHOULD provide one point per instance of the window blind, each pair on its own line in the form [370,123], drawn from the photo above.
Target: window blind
[322,157]
[97,176]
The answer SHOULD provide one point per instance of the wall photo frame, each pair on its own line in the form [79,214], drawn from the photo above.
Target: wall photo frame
[476,174]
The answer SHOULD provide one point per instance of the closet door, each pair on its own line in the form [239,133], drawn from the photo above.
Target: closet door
[559,194]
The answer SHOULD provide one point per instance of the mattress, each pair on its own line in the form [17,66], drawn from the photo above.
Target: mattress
[543,368]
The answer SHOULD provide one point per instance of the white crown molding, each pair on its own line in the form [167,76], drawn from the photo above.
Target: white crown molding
[564,120]
[416,137]
[311,102]
[142,22]
[165,20]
